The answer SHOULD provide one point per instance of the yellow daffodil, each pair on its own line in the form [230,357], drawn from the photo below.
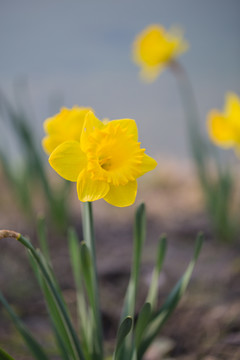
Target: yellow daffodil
[154,48]
[67,125]
[224,127]
[105,161]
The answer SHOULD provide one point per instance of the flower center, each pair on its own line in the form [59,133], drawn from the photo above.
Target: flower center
[105,163]
[113,155]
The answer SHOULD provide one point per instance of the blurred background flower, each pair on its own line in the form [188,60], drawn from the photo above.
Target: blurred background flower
[224,126]
[78,53]
[154,48]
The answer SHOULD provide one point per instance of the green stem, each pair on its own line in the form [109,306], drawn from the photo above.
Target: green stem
[89,238]
[190,108]
[201,152]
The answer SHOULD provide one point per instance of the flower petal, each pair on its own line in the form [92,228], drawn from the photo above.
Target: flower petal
[90,190]
[220,131]
[65,126]
[149,74]
[90,124]
[154,48]
[148,164]
[129,125]
[232,106]
[122,195]
[56,123]
[68,160]
[49,143]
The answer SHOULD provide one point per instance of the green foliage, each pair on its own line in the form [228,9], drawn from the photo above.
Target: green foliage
[133,339]
[35,348]
[24,180]
[124,329]
[4,355]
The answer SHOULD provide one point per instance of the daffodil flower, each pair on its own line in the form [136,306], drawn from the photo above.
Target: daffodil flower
[105,161]
[224,127]
[67,125]
[154,48]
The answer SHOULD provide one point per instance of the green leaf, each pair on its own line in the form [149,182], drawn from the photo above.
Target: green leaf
[142,321]
[86,267]
[42,237]
[139,238]
[60,344]
[131,294]
[123,331]
[161,316]
[31,343]
[62,337]
[152,293]
[62,334]
[4,355]
[74,250]
[44,270]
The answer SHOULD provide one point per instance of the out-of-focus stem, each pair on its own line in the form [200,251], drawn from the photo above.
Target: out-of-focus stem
[189,104]
[214,191]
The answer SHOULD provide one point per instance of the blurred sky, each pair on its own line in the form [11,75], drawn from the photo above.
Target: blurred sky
[78,52]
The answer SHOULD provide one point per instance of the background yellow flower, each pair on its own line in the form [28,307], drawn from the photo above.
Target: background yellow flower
[154,48]
[105,161]
[224,127]
[67,125]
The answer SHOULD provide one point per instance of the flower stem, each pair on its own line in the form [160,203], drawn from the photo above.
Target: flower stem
[201,152]
[197,143]
[89,238]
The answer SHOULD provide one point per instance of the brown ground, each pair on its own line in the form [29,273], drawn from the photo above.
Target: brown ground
[206,324]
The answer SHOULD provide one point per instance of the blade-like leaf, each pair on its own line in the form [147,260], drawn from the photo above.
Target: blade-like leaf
[31,343]
[43,268]
[62,336]
[139,238]
[123,331]
[152,293]
[130,298]
[4,355]
[86,267]
[42,237]
[74,250]
[161,316]
[142,321]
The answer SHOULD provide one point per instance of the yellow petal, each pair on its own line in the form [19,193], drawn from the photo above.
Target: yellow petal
[57,123]
[65,126]
[220,131]
[129,125]
[149,74]
[175,35]
[49,143]
[154,48]
[122,195]
[148,164]
[232,104]
[90,124]
[68,160]
[90,190]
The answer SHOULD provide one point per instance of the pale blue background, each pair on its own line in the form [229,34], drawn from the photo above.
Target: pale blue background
[78,52]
